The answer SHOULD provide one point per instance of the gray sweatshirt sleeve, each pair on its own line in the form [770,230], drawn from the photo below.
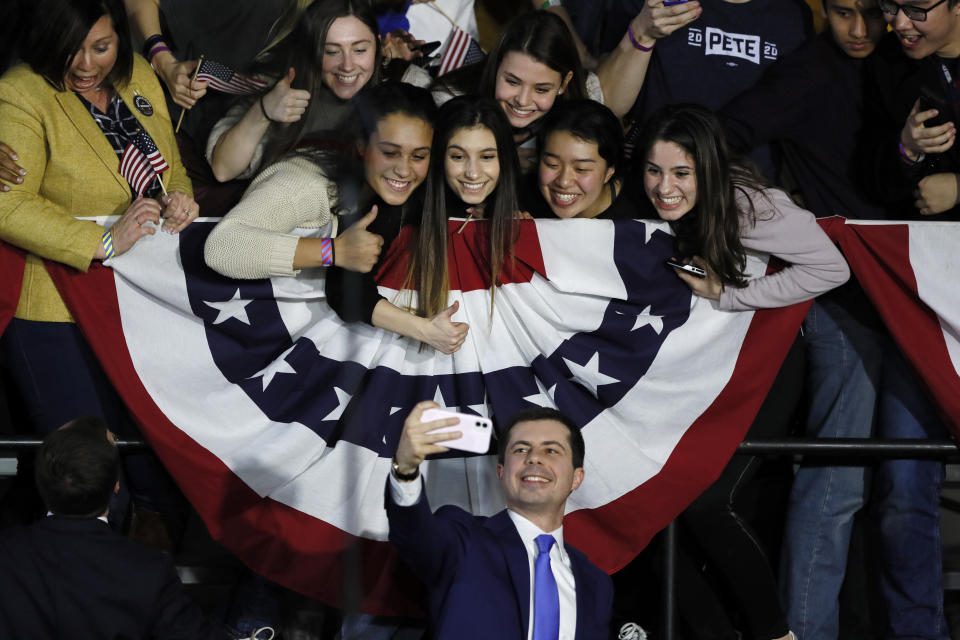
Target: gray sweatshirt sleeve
[784,230]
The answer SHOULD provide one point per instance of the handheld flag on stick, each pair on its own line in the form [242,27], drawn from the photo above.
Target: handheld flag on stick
[222,78]
[184,109]
[142,162]
[461,50]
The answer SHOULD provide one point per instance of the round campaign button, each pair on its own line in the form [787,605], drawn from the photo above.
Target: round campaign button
[143,105]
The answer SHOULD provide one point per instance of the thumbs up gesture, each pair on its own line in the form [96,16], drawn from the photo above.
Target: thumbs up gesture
[442,333]
[284,103]
[356,249]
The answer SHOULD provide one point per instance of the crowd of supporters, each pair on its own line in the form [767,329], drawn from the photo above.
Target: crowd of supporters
[731,120]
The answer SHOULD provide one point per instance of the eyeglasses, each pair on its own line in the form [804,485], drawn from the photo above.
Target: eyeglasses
[916,14]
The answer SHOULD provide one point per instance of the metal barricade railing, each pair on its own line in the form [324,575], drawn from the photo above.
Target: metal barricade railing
[836,449]
[18,444]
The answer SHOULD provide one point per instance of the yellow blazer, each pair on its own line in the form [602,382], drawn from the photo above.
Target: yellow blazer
[71,171]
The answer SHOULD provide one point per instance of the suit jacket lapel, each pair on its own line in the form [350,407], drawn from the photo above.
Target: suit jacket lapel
[91,134]
[580,584]
[517,563]
[150,124]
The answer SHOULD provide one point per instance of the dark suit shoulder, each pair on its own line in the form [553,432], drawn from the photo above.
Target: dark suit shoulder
[579,556]
[452,512]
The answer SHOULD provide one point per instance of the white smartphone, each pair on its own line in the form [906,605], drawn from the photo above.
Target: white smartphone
[475,430]
[689,268]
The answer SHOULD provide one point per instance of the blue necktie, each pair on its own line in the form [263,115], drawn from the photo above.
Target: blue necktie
[546,598]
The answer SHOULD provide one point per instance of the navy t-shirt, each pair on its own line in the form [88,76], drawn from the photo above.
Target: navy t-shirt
[723,52]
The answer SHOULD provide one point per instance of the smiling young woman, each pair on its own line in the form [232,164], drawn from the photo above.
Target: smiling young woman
[329,56]
[579,173]
[533,66]
[719,208]
[473,174]
[393,129]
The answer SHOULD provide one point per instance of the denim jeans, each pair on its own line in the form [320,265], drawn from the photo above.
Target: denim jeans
[858,380]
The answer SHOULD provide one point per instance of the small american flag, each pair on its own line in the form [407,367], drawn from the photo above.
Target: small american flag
[141,162]
[222,78]
[461,50]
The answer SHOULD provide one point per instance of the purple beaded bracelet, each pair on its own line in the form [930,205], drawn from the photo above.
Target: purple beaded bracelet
[637,45]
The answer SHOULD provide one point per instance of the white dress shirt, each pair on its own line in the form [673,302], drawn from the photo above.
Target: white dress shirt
[406,494]
[562,573]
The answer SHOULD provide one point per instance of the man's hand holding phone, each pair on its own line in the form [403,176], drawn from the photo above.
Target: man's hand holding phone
[921,136]
[416,441]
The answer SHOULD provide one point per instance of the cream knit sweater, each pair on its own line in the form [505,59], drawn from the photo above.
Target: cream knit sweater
[254,239]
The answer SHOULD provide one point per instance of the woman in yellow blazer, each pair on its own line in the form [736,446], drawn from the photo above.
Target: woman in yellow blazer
[69,111]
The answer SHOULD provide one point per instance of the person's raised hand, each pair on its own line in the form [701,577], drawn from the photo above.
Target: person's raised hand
[131,226]
[657,20]
[284,103]
[356,249]
[416,443]
[918,139]
[443,334]
[399,44]
[10,171]
[937,193]
[178,76]
[709,287]
[179,210]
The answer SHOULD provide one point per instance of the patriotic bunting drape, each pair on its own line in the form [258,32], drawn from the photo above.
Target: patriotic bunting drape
[279,421]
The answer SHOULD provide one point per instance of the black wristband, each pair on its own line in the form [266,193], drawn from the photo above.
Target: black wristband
[151,42]
[263,110]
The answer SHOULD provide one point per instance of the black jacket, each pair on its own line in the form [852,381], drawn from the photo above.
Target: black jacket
[76,578]
[893,86]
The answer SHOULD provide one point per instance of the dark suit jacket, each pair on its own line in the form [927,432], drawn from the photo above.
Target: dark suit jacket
[478,577]
[76,578]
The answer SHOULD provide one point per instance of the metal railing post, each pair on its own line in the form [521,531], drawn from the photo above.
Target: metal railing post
[669,536]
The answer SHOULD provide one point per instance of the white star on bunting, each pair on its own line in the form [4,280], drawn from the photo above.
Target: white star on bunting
[438,398]
[544,399]
[235,307]
[278,366]
[343,399]
[482,409]
[589,374]
[647,319]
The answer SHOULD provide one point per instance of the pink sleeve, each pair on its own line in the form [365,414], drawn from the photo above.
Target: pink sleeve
[784,230]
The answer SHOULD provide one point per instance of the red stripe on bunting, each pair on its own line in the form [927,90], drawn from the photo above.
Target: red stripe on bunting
[317,559]
[290,547]
[464,245]
[12,263]
[879,256]
[612,535]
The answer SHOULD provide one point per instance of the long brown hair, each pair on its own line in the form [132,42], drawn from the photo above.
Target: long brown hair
[303,50]
[428,264]
[712,228]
